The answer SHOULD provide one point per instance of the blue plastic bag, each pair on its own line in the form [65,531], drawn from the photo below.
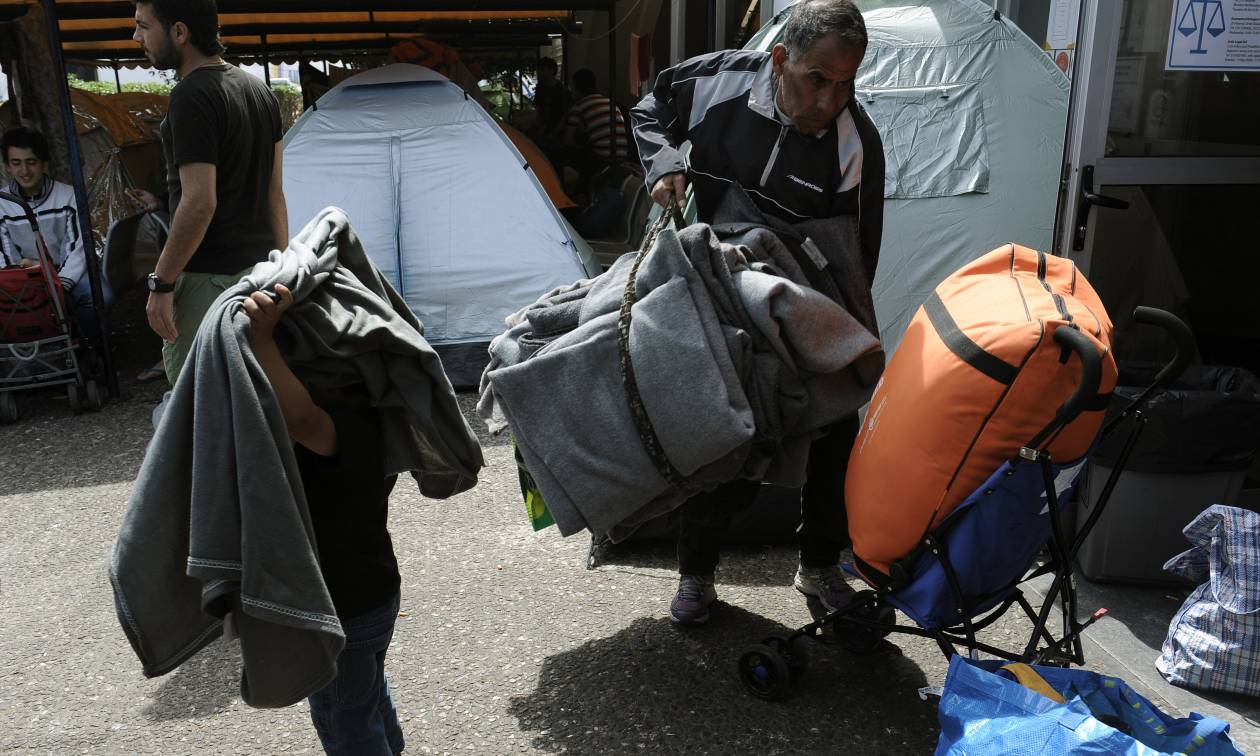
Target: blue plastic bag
[983,712]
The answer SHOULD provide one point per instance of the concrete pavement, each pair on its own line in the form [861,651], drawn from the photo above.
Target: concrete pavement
[506,643]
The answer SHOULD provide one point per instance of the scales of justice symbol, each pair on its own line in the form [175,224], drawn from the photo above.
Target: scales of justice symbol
[1210,19]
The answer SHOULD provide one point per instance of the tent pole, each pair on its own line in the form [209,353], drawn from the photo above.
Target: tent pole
[80,194]
[266,62]
[677,31]
[117,78]
[612,82]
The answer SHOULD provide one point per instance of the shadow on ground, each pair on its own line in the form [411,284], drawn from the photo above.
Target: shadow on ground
[206,684]
[662,689]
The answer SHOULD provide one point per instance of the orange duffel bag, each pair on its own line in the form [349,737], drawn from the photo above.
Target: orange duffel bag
[978,376]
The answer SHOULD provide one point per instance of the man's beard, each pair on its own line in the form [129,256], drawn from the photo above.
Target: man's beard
[165,57]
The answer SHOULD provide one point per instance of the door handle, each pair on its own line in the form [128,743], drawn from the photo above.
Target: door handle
[1090,198]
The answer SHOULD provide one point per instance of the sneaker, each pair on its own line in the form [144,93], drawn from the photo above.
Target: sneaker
[691,604]
[827,584]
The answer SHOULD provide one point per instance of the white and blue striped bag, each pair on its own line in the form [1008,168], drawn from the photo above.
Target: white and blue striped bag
[1213,642]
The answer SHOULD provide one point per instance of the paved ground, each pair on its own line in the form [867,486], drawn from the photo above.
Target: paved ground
[505,643]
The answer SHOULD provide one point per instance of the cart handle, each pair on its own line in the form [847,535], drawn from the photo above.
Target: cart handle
[1086,391]
[1181,335]
[1091,373]
[1176,366]
[26,208]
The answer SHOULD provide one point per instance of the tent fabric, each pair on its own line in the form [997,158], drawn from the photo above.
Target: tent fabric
[972,114]
[443,202]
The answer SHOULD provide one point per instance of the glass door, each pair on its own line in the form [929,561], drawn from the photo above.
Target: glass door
[1160,200]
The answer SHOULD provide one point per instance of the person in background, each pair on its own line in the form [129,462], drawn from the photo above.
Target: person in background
[786,127]
[339,454]
[551,101]
[26,158]
[589,124]
[221,137]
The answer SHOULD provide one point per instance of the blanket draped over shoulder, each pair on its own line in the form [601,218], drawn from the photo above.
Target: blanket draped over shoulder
[218,521]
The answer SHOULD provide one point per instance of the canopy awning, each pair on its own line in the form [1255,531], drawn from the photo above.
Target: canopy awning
[100,30]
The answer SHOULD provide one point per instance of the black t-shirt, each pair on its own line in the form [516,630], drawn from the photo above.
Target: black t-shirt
[348,498]
[221,115]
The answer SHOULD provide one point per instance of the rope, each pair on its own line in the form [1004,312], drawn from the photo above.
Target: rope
[647,434]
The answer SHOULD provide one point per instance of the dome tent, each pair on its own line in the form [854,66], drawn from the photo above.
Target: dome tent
[443,202]
[972,114]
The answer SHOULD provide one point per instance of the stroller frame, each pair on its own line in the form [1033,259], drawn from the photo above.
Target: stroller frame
[49,361]
[767,668]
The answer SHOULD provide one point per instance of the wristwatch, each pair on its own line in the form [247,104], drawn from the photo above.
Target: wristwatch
[157,285]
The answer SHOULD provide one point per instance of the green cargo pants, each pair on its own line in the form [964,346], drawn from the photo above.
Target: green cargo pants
[194,293]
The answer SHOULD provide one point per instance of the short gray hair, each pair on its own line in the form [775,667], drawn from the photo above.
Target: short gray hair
[812,20]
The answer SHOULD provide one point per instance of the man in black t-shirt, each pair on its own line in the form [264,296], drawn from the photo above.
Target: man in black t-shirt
[221,137]
[340,457]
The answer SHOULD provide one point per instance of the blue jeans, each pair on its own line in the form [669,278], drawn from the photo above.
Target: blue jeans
[81,305]
[354,715]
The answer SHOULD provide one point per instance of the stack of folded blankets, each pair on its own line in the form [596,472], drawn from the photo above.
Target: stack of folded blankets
[736,361]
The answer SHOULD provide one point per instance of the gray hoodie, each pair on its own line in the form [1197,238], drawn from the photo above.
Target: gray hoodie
[218,521]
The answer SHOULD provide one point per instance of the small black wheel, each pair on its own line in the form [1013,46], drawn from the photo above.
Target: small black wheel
[793,652]
[764,672]
[8,408]
[72,394]
[92,392]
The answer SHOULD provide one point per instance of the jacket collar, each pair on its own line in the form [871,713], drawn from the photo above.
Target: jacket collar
[761,95]
[39,197]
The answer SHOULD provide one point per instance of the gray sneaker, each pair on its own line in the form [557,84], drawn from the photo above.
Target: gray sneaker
[691,603]
[827,584]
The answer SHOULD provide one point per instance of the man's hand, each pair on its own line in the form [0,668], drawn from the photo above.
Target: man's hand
[670,185]
[160,311]
[26,262]
[264,312]
[146,198]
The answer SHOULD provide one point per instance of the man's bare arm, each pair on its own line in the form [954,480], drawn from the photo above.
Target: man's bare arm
[278,210]
[308,425]
[196,209]
[197,204]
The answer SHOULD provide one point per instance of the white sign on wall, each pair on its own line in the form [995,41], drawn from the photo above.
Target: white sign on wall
[1214,35]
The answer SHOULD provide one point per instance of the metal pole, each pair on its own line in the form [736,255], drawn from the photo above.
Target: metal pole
[80,193]
[719,24]
[677,31]
[266,62]
[117,78]
[612,82]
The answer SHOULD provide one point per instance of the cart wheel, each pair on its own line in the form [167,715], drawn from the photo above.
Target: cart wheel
[8,408]
[72,394]
[793,652]
[93,395]
[764,672]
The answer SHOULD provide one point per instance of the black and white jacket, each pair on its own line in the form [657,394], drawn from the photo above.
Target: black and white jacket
[57,213]
[723,103]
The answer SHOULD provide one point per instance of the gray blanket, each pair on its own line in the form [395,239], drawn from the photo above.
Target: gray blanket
[218,522]
[737,364]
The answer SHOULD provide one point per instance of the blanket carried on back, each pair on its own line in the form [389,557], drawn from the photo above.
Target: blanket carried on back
[218,522]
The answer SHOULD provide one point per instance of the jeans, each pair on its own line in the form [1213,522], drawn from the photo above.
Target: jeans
[354,715]
[824,530]
[81,305]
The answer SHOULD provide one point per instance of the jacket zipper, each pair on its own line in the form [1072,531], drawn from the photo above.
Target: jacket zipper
[774,155]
